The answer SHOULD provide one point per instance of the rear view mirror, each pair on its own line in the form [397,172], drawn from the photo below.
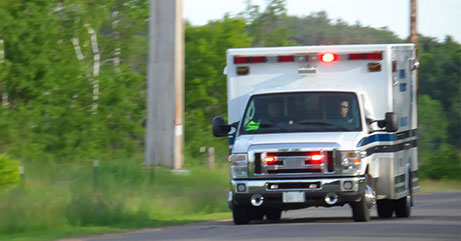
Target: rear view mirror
[392,124]
[219,127]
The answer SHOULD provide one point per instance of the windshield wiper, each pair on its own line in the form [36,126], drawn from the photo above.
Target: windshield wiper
[306,123]
[267,125]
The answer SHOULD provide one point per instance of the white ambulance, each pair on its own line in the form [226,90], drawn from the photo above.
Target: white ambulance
[321,126]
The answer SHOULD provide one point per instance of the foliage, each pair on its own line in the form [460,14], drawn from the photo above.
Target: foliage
[442,164]
[126,195]
[48,120]
[205,84]
[9,172]
[440,78]
[432,124]
[51,92]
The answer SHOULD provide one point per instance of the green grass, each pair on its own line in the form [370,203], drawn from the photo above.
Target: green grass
[65,200]
[72,231]
[428,185]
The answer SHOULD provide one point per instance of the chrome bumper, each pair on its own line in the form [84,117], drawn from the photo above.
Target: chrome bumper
[348,189]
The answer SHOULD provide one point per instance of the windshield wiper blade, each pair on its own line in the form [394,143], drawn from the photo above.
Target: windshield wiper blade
[267,125]
[322,123]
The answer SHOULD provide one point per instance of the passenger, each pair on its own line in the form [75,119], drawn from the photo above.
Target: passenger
[345,113]
[274,113]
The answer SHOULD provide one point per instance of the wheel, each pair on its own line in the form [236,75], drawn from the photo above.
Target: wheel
[273,214]
[240,214]
[385,208]
[361,210]
[403,205]
[257,214]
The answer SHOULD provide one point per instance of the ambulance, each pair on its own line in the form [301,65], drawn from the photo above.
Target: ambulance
[321,126]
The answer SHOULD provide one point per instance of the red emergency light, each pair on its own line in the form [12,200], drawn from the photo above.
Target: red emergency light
[328,57]
[315,158]
[269,160]
[366,56]
[286,58]
[249,59]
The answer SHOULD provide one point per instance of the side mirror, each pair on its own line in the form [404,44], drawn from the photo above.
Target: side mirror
[219,127]
[414,64]
[392,123]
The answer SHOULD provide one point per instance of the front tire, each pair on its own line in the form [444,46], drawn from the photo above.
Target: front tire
[361,210]
[257,214]
[274,214]
[241,214]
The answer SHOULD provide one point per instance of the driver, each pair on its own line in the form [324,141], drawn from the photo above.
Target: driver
[274,112]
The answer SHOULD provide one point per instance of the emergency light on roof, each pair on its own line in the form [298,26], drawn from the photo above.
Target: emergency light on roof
[249,59]
[324,57]
[287,58]
[366,56]
[328,57]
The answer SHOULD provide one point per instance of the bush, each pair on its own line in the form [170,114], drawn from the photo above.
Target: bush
[445,163]
[9,172]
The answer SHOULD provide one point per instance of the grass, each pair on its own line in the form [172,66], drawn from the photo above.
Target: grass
[72,231]
[69,200]
[428,185]
[65,200]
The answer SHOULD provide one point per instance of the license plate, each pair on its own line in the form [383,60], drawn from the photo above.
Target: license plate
[294,197]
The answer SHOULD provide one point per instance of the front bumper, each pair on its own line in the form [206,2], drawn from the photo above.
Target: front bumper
[347,189]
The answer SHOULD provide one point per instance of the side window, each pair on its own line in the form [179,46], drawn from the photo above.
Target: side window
[250,113]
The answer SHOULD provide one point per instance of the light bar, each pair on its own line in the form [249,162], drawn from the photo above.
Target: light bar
[249,59]
[286,58]
[258,59]
[366,56]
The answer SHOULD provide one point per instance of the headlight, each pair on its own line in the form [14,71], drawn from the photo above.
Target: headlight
[239,166]
[351,162]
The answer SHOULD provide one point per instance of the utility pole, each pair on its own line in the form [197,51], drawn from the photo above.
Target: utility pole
[414,32]
[165,85]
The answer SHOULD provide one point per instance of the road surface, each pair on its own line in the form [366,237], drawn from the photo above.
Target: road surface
[435,216]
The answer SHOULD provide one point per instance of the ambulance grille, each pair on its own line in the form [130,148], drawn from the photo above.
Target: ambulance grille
[294,163]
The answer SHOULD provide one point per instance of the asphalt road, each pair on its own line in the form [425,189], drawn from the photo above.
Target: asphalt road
[435,216]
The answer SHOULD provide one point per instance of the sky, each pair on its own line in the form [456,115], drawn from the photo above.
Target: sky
[436,18]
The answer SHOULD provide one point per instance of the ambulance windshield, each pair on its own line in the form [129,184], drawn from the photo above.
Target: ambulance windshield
[301,112]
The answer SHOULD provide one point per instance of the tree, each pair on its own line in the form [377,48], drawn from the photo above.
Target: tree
[205,85]
[9,172]
[432,124]
[270,27]
[440,79]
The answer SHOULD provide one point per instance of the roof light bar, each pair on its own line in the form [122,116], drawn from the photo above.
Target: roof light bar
[249,59]
[366,56]
[286,58]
